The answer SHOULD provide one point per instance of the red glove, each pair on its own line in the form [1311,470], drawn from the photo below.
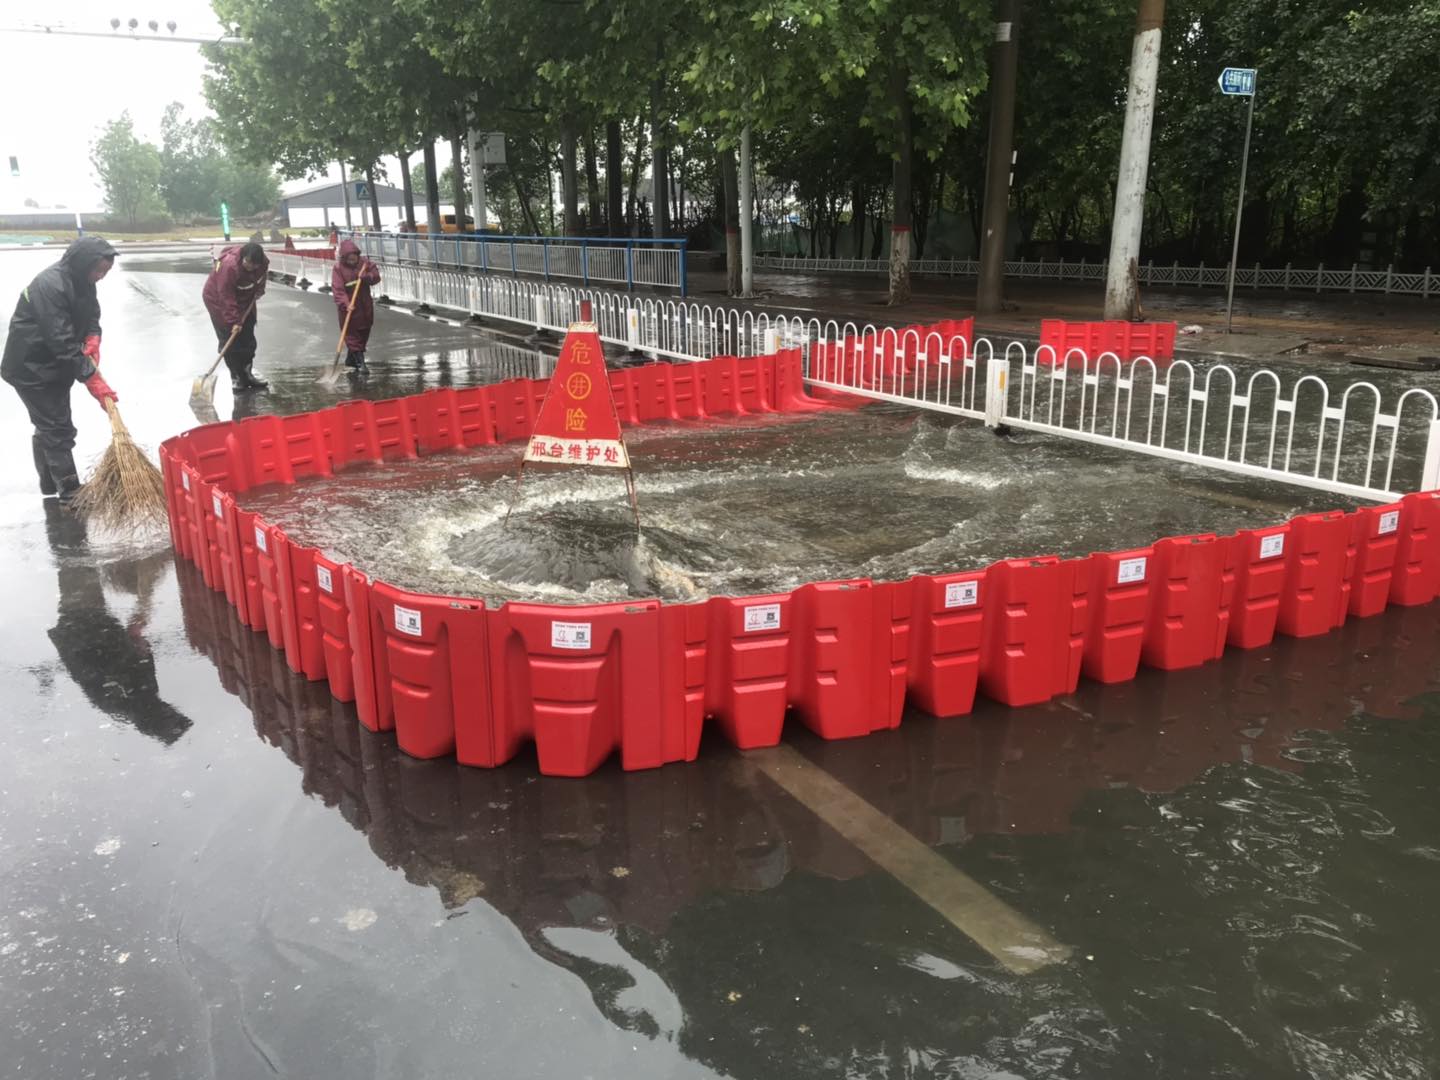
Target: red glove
[91,348]
[100,389]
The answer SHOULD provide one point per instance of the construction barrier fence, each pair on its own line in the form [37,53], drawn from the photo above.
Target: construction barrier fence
[642,679]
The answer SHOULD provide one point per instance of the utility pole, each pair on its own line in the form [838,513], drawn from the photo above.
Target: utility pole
[999,169]
[747,216]
[477,176]
[1122,286]
[345,194]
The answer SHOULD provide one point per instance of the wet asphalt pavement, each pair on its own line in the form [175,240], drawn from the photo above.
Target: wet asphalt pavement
[208,869]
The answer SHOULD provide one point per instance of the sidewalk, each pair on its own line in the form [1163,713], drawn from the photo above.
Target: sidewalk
[1266,323]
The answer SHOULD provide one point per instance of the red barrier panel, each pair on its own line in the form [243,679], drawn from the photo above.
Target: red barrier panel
[840,675]
[360,632]
[684,644]
[1125,339]
[352,434]
[437,421]
[305,447]
[173,514]
[749,652]
[472,416]
[1313,600]
[393,427]
[1370,563]
[752,384]
[1258,558]
[434,663]
[204,527]
[264,450]
[1416,579]
[271,549]
[515,407]
[946,638]
[1035,635]
[227,540]
[719,387]
[333,611]
[305,649]
[1120,594]
[583,681]
[1190,614]
[687,395]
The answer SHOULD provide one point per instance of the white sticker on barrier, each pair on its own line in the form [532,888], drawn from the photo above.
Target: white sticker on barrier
[324,580]
[407,621]
[761,617]
[962,594]
[260,541]
[1131,571]
[1271,546]
[570,635]
[218,505]
[1389,521]
[185,479]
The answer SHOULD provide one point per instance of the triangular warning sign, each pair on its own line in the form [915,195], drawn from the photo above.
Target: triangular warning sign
[577,423]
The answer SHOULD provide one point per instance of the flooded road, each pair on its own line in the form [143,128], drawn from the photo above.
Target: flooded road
[207,869]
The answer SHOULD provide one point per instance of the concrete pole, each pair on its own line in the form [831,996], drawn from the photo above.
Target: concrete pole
[747,217]
[990,291]
[477,175]
[1122,290]
[1239,215]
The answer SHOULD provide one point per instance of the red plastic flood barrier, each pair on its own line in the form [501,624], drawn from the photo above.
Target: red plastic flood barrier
[1258,556]
[847,665]
[1370,557]
[1315,598]
[1190,615]
[1120,592]
[1126,340]
[747,685]
[946,638]
[1035,636]
[1416,578]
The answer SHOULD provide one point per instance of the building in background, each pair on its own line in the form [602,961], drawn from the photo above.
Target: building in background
[323,205]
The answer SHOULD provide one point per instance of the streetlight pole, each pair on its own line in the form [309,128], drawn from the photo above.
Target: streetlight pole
[1239,213]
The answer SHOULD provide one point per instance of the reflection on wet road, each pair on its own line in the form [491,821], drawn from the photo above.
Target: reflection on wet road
[1239,858]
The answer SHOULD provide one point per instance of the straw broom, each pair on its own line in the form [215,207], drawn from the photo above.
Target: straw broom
[126,492]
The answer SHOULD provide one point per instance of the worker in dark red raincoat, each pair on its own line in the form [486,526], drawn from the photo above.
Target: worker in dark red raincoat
[231,292]
[352,267]
[54,342]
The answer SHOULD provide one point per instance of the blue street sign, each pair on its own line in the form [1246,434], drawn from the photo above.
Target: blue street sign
[362,189]
[1238,81]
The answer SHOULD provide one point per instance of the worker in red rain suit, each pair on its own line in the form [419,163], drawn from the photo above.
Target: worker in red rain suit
[352,267]
[231,292]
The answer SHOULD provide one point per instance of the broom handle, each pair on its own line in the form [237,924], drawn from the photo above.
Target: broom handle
[234,333]
[349,310]
[117,426]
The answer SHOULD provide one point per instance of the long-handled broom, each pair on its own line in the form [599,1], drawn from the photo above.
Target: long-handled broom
[330,376]
[202,390]
[126,492]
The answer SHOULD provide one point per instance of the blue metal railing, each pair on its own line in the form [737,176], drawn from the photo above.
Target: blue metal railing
[620,260]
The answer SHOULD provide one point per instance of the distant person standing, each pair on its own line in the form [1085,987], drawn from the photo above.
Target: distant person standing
[351,267]
[231,292]
[54,342]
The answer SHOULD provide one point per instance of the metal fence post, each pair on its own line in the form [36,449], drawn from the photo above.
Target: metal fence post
[1287,277]
[1257,277]
[1200,284]
[545,255]
[514,266]
[1175,274]
[1389,277]
[1354,270]
[585,260]
[1320,277]
[630,265]
[484,258]
[684,284]
[1426,289]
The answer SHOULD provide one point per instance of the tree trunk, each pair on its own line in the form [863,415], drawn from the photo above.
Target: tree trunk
[659,173]
[592,185]
[409,191]
[513,168]
[900,225]
[374,195]
[432,189]
[730,186]
[457,165]
[632,221]
[614,179]
[569,181]
[857,218]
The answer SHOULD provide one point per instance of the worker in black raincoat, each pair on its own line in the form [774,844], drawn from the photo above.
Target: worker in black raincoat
[54,342]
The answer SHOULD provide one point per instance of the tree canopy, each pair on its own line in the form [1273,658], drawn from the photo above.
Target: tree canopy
[868,115]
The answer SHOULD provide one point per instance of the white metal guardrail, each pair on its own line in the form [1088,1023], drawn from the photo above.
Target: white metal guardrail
[1347,440]
[621,261]
[1351,279]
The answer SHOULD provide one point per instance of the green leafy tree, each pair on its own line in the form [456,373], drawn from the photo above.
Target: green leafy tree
[198,173]
[129,171]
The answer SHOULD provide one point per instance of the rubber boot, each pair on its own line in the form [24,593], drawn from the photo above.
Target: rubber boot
[61,463]
[42,468]
[352,358]
[250,381]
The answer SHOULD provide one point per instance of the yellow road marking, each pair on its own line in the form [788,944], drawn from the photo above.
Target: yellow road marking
[977,913]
